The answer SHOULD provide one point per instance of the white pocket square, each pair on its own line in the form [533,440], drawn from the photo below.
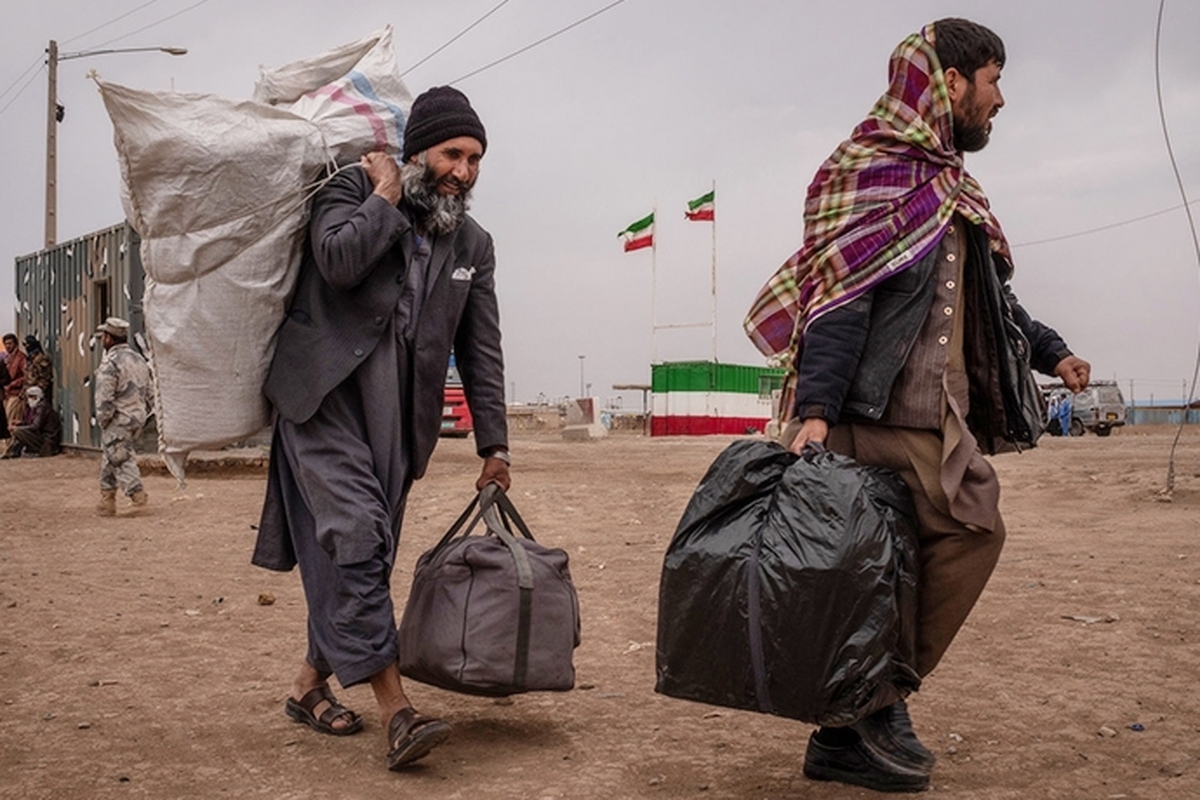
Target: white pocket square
[462,274]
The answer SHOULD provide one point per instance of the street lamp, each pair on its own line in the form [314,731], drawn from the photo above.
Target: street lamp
[54,115]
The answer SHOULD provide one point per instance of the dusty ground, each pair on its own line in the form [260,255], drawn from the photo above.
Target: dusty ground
[136,662]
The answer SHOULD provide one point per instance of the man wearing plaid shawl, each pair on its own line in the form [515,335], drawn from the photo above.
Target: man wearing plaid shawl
[898,321]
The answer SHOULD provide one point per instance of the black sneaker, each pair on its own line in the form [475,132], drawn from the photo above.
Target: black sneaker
[843,756]
[890,731]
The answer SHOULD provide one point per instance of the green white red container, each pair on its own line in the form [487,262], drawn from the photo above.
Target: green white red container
[701,398]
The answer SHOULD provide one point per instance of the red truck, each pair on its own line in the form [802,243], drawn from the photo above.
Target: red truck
[456,417]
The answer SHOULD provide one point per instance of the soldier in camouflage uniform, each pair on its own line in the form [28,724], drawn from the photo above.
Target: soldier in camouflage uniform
[123,401]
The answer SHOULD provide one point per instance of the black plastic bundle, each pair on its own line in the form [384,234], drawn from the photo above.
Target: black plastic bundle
[790,587]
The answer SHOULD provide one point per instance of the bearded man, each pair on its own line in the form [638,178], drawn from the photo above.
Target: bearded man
[901,329]
[40,432]
[394,277]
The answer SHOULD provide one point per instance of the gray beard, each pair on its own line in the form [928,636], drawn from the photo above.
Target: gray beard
[434,211]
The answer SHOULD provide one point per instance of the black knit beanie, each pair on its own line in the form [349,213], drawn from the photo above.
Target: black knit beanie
[439,114]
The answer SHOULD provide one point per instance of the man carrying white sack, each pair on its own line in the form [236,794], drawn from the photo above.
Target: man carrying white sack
[395,275]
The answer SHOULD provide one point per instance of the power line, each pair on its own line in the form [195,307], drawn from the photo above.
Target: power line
[543,40]
[28,69]
[1162,116]
[110,22]
[19,93]
[67,41]
[153,24]
[460,34]
[1108,227]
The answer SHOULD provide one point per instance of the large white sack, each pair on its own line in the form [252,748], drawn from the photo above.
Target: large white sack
[219,191]
[215,188]
[353,93]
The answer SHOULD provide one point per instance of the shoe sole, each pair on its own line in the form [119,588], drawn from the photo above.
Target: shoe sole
[419,745]
[899,783]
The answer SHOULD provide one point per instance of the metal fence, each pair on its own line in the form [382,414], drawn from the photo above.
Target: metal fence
[1162,415]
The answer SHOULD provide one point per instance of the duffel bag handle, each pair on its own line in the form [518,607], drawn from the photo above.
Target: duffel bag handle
[491,496]
[492,503]
[462,518]
[496,525]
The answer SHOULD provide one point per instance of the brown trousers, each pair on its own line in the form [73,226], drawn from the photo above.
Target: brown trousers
[956,560]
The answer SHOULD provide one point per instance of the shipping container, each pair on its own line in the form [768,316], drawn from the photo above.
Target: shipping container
[700,398]
[62,295]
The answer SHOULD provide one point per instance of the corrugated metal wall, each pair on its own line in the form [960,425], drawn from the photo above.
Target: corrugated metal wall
[709,376]
[62,295]
[701,398]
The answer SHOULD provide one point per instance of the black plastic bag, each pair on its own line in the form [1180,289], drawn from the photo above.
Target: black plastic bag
[790,587]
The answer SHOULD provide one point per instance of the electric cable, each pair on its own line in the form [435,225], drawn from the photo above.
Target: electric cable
[458,36]
[17,80]
[1102,228]
[19,93]
[110,22]
[68,41]
[1162,115]
[152,24]
[543,40]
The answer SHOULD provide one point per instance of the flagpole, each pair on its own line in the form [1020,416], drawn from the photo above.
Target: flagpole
[714,274]
[654,288]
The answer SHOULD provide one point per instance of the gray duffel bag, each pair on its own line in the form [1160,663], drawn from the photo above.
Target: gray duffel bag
[491,615]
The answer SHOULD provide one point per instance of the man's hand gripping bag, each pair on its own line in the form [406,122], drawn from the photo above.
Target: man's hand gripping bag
[790,587]
[491,615]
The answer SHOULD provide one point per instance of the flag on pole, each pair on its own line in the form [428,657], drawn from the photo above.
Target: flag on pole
[640,234]
[702,208]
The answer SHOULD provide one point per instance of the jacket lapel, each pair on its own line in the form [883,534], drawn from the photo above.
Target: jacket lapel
[443,246]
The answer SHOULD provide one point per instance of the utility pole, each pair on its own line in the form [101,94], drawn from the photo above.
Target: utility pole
[54,115]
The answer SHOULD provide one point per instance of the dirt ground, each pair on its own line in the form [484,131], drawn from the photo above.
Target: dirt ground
[137,662]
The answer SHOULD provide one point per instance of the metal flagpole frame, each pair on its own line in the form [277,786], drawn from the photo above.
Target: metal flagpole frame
[714,272]
[654,288]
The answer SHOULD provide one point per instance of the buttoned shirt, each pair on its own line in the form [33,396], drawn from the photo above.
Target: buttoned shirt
[935,366]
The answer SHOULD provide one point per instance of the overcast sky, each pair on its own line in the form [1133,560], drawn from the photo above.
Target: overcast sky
[652,101]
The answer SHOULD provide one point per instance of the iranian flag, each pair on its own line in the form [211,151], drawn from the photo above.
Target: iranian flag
[640,234]
[702,208]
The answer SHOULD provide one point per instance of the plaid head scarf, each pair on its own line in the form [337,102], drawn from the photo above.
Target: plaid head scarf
[877,205]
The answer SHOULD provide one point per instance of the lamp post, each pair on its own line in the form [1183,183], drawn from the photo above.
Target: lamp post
[54,115]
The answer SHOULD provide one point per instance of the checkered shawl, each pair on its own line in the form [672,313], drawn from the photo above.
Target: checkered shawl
[882,201]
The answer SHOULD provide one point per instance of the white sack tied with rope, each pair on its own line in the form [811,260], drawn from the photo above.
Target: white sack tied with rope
[219,191]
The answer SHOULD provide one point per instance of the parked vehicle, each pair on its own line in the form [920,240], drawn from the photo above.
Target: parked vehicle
[1098,408]
[456,416]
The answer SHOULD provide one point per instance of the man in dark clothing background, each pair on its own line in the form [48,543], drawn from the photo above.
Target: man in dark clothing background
[39,370]
[40,433]
[396,276]
[900,315]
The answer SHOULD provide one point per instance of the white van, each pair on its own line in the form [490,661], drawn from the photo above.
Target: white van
[1098,408]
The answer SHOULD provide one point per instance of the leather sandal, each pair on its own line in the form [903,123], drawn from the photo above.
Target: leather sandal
[411,737]
[302,711]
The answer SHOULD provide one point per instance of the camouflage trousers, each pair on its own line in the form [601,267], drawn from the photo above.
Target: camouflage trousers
[118,460]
